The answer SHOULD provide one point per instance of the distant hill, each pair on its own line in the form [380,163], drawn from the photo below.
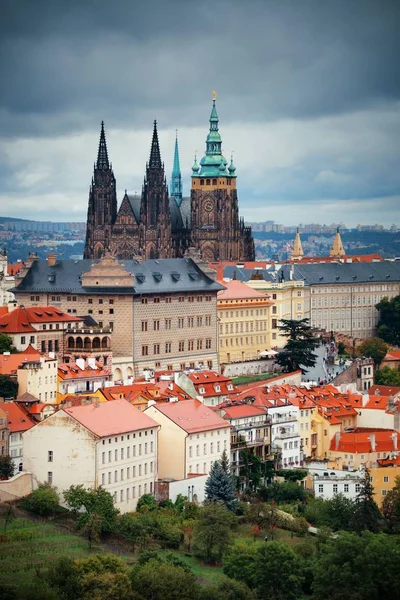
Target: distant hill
[6,219]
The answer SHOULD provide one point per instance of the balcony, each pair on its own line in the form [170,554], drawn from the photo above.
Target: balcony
[283,419]
[252,425]
[285,435]
[242,443]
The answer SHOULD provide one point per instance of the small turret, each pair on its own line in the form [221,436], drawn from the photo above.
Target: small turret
[297,252]
[337,250]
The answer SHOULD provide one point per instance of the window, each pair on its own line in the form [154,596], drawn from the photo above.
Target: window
[168,323]
[50,477]
[384,492]
[145,350]
[181,346]
[156,300]
[156,349]
[320,488]
[181,322]
[100,300]
[199,320]
[335,488]
[144,300]
[208,343]
[191,345]
[274,323]
[168,300]
[50,456]
[103,457]
[386,479]
[181,299]
[358,487]
[156,325]
[199,344]
[168,347]
[144,325]
[346,488]
[111,311]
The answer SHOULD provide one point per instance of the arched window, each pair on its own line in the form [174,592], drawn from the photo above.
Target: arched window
[214,182]
[208,181]
[71,342]
[86,343]
[79,342]
[96,343]
[104,342]
[201,181]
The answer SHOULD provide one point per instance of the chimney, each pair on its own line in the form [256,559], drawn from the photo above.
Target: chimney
[51,259]
[337,440]
[377,392]
[394,438]
[373,442]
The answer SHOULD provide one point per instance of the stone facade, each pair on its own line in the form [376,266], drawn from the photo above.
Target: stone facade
[155,225]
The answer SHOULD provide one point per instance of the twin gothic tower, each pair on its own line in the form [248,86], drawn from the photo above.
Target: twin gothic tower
[159,225]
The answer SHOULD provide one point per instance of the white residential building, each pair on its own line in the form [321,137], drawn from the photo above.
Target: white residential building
[190,439]
[111,444]
[18,422]
[38,376]
[285,436]
[328,486]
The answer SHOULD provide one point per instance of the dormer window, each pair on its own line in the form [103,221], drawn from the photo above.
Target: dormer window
[202,390]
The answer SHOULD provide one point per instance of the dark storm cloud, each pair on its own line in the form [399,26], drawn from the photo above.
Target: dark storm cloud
[68,64]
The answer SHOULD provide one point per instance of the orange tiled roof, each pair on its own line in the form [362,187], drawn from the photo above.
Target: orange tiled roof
[21,318]
[13,269]
[18,420]
[384,390]
[208,381]
[110,418]
[131,391]
[393,355]
[9,363]
[192,416]
[72,371]
[241,410]
[360,442]
[38,408]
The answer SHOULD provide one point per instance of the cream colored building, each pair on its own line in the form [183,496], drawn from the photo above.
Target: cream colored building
[244,322]
[190,439]
[109,444]
[38,377]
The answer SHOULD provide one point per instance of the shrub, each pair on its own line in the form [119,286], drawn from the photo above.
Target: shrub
[43,501]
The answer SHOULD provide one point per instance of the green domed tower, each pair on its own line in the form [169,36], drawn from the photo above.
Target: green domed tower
[217,230]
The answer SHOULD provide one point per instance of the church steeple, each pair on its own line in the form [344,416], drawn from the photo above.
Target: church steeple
[155,155]
[102,155]
[297,252]
[337,250]
[176,179]
[213,164]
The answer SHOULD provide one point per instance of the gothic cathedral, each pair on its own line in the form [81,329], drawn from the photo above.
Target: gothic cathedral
[159,225]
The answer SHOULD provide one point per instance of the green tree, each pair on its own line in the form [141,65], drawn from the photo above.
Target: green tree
[225,462]
[341,349]
[298,352]
[366,515]
[43,501]
[137,529]
[146,502]
[6,344]
[391,507]
[157,580]
[91,501]
[278,573]
[92,528]
[360,567]
[389,320]
[284,492]
[9,516]
[212,533]
[387,376]
[374,348]
[6,466]
[339,513]
[292,474]
[220,486]
[226,589]
[8,387]
[239,563]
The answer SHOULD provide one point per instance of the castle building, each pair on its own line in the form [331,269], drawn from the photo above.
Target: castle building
[158,225]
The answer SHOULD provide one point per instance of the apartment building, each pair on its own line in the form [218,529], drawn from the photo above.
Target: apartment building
[244,322]
[163,313]
[352,450]
[191,438]
[111,444]
[210,387]
[37,375]
[18,421]
[80,377]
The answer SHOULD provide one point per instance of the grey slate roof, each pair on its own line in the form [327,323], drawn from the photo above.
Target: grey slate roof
[162,276]
[179,214]
[325,273]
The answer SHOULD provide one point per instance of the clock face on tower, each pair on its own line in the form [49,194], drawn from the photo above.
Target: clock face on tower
[208,205]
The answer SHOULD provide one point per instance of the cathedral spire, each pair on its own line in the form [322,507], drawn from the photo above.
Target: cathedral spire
[337,250]
[176,179]
[297,252]
[102,155]
[155,156]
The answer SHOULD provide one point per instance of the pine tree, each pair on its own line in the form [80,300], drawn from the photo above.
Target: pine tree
[366,514]
[220,486]
[298,352]
[225,462]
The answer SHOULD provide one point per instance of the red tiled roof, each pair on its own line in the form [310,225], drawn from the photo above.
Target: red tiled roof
[192,416]
[389,462]
[377,402]
[236,290]
[130,391]
[384,390]
[110,418]
[9,363]
[208,380]
[13,269]
[241,410]
[360,442]
[38,408]
[72,371]
[393,355]
[21,318]
[18,420]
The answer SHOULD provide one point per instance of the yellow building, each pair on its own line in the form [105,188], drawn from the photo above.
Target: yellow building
[350,451]
[244,322]
[383,478]
[38,376]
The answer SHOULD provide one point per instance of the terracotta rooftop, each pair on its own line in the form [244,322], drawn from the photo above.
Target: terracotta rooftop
[360,442]
[236,290]
[18,420]
[21,318]
[384,390]
[393,355]
[240,411]
[192,416]
[111,418]
[72,371]
[9,363]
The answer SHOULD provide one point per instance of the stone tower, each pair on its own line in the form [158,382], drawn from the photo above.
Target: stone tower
[337,250]
[217,231]
[176,179]
[155,231]
[297,252]
[102,209]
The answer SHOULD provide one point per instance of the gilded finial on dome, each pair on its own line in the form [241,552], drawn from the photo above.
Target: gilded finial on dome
[214,95]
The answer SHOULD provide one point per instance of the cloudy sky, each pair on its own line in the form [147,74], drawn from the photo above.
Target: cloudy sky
[308,101]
